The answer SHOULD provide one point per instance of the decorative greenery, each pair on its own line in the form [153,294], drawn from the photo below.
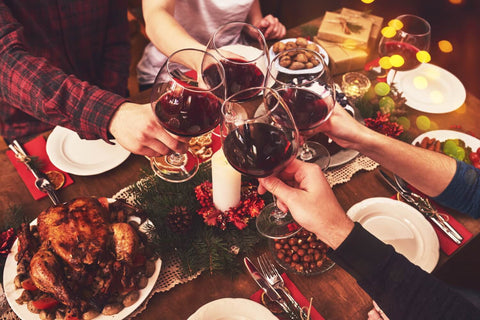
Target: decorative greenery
[203,247]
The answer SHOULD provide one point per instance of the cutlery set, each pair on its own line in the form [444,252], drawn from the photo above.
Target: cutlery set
[41,181]
[271,282]
[423,205]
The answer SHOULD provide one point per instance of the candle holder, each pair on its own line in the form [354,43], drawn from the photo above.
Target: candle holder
[355,85]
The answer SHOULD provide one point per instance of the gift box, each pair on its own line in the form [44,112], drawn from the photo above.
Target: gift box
[377,23]
[353,31]
[342,58]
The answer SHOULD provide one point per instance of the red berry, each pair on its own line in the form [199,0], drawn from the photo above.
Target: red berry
[474,157]
[477,165]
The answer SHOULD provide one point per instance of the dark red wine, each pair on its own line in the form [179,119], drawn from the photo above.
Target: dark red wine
[239,75]
[258,149]
[308,109]
[406,50]
[188,113]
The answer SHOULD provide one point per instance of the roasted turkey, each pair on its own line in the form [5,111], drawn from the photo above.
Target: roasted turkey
[84,253]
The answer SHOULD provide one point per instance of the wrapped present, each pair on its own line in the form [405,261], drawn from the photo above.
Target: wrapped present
[336,27]
[377,22]
[342,58]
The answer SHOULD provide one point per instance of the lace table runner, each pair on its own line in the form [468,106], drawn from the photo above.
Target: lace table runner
[170,274]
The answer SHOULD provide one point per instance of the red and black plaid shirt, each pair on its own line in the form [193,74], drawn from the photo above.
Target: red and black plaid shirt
[54,58]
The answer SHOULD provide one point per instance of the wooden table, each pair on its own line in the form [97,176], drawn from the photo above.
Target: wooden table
[335,293]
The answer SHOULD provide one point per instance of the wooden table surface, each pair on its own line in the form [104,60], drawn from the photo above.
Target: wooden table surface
[335,293]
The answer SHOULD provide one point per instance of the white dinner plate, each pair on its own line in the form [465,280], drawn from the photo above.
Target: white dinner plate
[82,157]
[286,70]
[430,89]
[442,135]
[232,309]
[400,225]
[21,310]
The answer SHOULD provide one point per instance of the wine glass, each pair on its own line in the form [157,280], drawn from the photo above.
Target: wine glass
[309,91]
[243,51]
[405,41]
[187,98]
[259,139]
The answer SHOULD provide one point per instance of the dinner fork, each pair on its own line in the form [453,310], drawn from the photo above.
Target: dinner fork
[41,182]
[270,272]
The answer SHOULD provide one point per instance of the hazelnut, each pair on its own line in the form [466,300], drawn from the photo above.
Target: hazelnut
[301,42]
[297,65]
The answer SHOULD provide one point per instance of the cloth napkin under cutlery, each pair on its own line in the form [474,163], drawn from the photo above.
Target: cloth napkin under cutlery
[35,148]
[296,294]
[446,244]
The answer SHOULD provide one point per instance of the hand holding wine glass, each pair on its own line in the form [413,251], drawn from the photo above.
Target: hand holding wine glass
[188,104]
[405,41]
[259,139]
[309,92]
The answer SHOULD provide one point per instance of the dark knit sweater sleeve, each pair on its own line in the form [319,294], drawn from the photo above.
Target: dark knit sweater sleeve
[402,290]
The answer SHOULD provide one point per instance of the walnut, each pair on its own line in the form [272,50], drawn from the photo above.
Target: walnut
[301,57]
[285,61]
[301,42]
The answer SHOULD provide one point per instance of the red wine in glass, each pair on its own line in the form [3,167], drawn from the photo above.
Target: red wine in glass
[308,108]
[239,75]
[188,114]
[258,149]
[407,51]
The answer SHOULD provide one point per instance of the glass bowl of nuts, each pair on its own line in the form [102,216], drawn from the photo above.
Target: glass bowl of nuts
[301,253]
[299,62]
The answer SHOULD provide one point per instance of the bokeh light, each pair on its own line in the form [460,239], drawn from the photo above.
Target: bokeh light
[382,89]
[423,123]
[386,103]
[423,56]
[456,1]
[404,122]
[420,82]
[367,1]
[388,32]
[385,63]
[397,60]
[396,24]
[445,46]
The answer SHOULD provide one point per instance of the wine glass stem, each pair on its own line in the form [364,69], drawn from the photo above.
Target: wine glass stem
[393,77]
[306,154]
[277,214]
[176,159]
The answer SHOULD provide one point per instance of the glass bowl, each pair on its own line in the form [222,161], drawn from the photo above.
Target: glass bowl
[301,253]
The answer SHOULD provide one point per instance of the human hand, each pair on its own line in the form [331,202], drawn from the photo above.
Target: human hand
[302,188]
[136,128]
[345,130]
[271,27]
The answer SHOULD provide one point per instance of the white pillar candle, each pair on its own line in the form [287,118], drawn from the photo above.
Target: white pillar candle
[226,183]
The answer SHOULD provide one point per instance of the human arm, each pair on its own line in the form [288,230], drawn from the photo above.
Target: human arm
[428,171]
[271,27]
[402,290]
[164,31]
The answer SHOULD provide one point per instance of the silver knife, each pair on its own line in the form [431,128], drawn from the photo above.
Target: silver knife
[424,207]
[270,291]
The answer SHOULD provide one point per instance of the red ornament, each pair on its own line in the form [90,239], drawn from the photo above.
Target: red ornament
[250,206]
[6,241]
[383,125]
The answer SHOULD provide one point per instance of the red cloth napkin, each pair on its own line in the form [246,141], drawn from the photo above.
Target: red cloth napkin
[37,148]
[446,244]
[296,294]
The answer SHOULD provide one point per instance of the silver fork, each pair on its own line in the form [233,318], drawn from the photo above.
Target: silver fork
[270,272]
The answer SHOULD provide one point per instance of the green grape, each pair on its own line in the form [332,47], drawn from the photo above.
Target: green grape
[450,148]
[460,153]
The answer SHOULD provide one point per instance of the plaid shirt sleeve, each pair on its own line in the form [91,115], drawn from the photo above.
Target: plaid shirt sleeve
[37,88]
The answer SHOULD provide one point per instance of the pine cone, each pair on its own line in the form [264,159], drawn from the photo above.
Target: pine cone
[179,220]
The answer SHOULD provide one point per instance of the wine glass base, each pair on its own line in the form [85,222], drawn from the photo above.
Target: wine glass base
[315,152]
[276,228]
[176,173]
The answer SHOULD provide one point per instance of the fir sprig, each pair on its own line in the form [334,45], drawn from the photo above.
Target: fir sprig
[203,247]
